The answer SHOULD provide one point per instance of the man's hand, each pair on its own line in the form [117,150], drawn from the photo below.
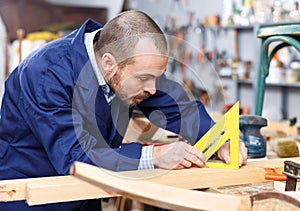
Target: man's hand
[224,153]
[177,155]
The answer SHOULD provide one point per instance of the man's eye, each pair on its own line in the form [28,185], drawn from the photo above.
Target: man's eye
[143,78]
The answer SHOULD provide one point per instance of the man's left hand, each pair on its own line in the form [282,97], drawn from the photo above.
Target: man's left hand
[224,153]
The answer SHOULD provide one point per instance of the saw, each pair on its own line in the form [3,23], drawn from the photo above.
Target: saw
[226,129]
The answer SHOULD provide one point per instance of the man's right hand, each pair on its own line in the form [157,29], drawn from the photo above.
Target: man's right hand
[177,155]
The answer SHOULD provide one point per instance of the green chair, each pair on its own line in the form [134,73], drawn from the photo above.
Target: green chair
[283,36]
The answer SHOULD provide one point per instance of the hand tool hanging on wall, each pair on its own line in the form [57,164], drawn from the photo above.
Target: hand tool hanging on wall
[179,55]
[187,56]
[20,35]
[200,29]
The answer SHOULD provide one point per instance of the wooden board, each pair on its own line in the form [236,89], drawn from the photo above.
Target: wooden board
[68,188]
[197,178]
[279,127]
[49,189]
[270,164]
[157,194]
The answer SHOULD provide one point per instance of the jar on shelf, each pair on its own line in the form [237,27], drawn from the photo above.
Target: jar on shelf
[278,12]
[276,72]
[292,73]
[294,14]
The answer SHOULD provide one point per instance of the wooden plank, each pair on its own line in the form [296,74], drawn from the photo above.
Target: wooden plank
[59,191]
[193,178]
[271,163]
[65,189]
[278,126]
[157,194]
[196,178]
[12,190]
[15,190]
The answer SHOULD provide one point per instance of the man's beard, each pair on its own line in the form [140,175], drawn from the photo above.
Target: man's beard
[140,96]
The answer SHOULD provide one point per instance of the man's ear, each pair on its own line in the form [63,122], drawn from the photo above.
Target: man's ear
[108,62]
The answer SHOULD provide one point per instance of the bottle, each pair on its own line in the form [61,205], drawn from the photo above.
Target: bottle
[292,73]
[277,11]
[247,14]
[276,72]
[294,14]
[227,18]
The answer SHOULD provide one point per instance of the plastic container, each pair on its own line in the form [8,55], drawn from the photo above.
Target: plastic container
[291,75]
[276,72]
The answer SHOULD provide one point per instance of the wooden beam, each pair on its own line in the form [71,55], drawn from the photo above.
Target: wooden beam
[196,178]
[61,188]
[14,190]
[270,163]
[55,189]
[66,189]
[157,194]
[275,127]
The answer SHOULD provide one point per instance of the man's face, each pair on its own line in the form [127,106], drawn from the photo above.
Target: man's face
[136,82]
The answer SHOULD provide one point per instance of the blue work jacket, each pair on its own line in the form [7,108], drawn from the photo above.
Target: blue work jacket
[54,113]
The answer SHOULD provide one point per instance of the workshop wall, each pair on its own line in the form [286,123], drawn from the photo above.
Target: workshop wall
[195,67]
[237,41]
[159,10]
[205,76]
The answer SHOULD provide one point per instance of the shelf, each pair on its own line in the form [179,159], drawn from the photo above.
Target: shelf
[280,84]
[278,23]
[251,27]
[252,81]
[284,84]
[245,81]
[278,96]
[230,27]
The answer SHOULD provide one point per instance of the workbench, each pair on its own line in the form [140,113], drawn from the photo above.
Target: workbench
[232,187]
[170,189]
[77,186]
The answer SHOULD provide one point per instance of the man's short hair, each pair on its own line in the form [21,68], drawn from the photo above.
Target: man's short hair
[121,34]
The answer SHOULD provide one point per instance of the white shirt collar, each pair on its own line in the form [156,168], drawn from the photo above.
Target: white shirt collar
[89,44]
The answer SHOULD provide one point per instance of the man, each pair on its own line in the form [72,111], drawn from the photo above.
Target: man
[72,100]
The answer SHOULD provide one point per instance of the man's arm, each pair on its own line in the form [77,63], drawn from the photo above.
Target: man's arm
[48,108]
[171,109]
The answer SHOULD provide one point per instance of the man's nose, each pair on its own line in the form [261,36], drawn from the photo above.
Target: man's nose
[150,88]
